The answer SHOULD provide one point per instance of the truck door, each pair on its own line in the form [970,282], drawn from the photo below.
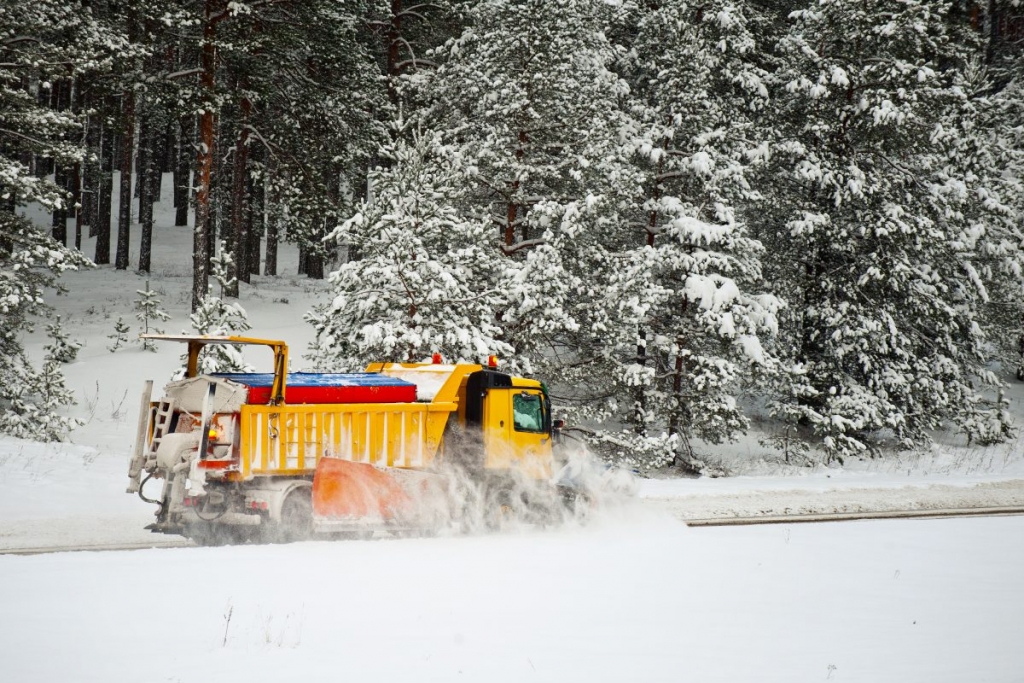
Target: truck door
[531,431]
[517,431]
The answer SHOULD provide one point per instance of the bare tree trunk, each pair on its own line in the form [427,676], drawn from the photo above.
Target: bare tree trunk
[254,223]
[59,97]
[91,170]
[182,172]
[124,220]
[315,265]
[222,235]
[393,38]
[75,181]
[512,209]
[147,169]
[273,218]
[60,215]
[104,192]
[76,198]
[201,242]
[238,199]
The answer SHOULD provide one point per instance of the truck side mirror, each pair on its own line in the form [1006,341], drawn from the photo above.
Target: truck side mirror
[558,425]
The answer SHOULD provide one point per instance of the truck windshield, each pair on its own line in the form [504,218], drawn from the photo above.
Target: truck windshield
[528,412]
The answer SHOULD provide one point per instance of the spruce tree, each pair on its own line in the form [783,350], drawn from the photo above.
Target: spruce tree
[877,225]
[427,279]
[691,312]
[147,308]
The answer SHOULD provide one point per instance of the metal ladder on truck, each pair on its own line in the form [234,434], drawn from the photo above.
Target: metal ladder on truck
[160,417]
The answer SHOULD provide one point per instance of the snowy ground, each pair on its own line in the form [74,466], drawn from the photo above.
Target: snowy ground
[634,595]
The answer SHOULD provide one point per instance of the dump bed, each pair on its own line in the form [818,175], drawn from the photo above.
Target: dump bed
[323,387]
[372,417]
[290,439]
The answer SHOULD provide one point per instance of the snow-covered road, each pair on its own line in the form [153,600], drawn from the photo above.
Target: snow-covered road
[61,495]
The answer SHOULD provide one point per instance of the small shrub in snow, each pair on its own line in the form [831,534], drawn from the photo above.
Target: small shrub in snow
[120,335]
[61,348]
[147,308]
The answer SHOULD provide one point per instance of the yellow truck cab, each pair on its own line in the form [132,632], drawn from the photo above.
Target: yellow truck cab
[502,420]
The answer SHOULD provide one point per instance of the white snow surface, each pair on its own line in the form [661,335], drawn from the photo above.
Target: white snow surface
[632,595]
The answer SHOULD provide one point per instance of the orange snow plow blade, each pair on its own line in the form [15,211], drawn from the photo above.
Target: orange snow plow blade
[343,489]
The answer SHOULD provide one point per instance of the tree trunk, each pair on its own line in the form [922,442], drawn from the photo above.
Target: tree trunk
[222,235]
[60,215]
[76,198]
[124,220]
[182,172]
[273,218]
[238,199]
[147,169]
[254,223]
[104,192]
[315,264]
[394,34]
[9,205]
[512,209]
[91,169]
[201,241]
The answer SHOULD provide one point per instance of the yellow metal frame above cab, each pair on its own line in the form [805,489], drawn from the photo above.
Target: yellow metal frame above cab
[197,341]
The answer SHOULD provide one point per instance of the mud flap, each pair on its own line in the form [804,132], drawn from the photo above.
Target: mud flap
[358,495]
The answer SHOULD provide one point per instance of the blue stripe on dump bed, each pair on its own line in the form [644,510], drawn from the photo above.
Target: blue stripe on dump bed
[317,379]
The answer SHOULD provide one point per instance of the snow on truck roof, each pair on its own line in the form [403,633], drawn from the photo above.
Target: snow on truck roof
[428,378]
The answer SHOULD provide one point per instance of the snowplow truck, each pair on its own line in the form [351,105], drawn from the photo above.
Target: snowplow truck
[286,456]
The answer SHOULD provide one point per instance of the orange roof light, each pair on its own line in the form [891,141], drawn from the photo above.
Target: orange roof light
[492,362]
[436,359]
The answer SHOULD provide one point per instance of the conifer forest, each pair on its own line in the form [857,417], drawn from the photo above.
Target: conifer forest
[668,210]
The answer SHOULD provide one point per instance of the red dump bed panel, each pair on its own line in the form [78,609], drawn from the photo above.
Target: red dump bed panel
[320,387]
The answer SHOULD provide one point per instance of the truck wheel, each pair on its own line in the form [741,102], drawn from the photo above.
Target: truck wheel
[296,517]
[501,509]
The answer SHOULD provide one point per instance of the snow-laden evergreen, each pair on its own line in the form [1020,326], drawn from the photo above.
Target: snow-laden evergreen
[147,311]
[691,309]
[217,317]
[426,278]
[39,41]
[528,95]
[876,224]
[30,263]
[656,208]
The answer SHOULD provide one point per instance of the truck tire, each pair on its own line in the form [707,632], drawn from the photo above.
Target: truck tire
[296,522]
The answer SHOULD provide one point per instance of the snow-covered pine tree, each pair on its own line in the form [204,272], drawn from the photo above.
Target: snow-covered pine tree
[427,279]
[876,223]
[30,263]
[61,348]
[120,335]
[321,129]
[40,42]
[528,95]
[214,316]
[690,315]
[147,308]
[985,141]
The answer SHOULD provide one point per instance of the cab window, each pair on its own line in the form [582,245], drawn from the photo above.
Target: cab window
[528,412]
